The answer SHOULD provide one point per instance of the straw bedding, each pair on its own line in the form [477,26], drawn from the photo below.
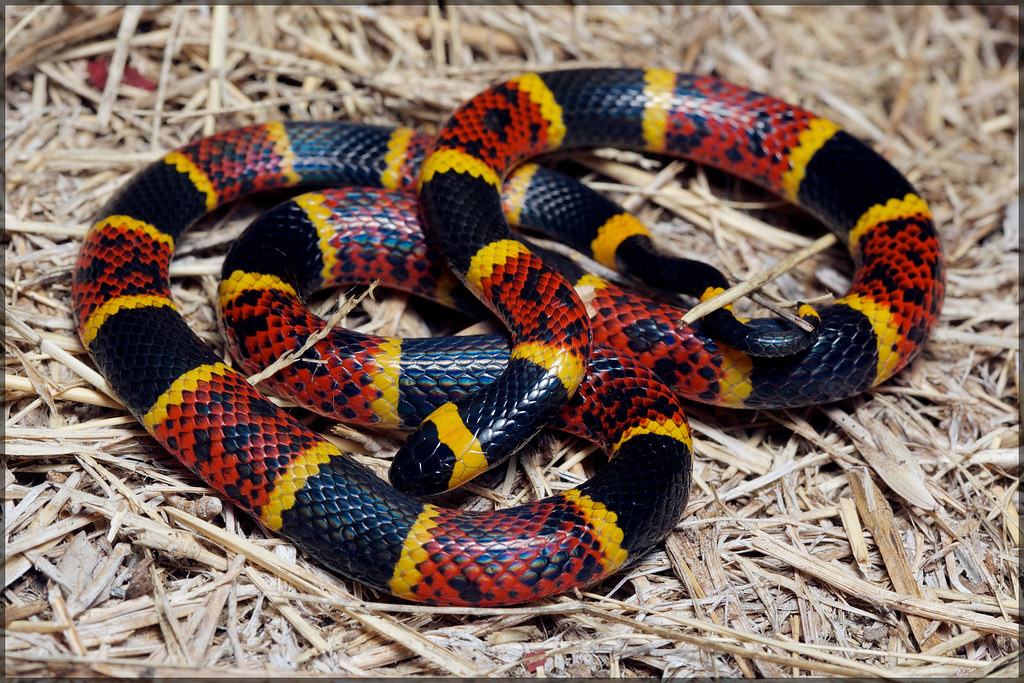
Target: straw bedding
[876,537]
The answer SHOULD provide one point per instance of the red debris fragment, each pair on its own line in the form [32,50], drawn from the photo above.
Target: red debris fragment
[99,70]
[534,660]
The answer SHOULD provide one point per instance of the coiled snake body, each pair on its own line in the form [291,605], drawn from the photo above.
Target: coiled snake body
[301,485]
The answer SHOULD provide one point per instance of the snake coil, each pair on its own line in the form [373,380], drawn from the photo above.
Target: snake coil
[559,365]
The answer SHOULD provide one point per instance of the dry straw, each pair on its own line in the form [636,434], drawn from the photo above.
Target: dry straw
[878,537]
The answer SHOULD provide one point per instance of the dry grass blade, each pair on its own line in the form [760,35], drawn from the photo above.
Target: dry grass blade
[878,537]
[888,455]
[875,511]
[760,280]
[344,307]
[872,593]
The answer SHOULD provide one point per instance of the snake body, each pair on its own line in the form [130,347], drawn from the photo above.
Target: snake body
[300,484]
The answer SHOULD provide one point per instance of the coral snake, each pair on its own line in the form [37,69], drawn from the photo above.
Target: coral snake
[478,399]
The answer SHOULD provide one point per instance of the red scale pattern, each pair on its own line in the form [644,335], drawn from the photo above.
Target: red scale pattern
[337,379]
[406,260]
[751,135]
[499,127]
[236,440]
[119,261]
[239,163]
[628,396]
[902,267]
[464,568]
[538,312]
[681,358]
